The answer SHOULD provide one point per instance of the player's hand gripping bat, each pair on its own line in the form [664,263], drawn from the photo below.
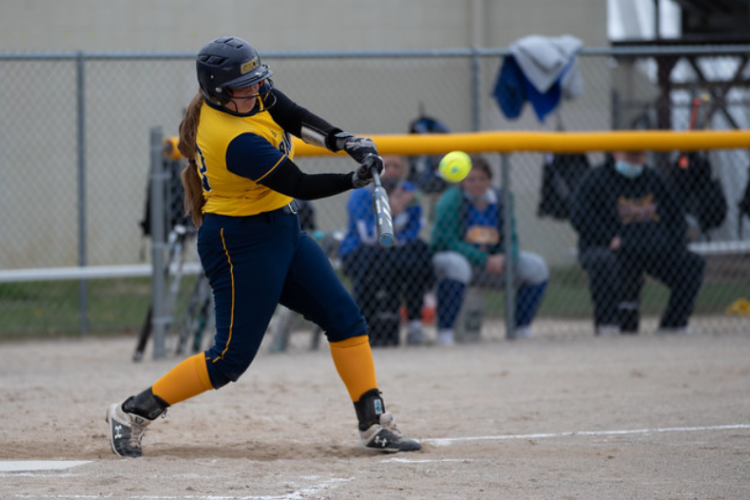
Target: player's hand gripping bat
[380,203]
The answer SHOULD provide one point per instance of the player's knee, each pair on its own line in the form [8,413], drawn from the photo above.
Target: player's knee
[222,370]
[345,328]
[221,377]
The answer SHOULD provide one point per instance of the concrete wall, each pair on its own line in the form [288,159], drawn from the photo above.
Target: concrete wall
[177,25]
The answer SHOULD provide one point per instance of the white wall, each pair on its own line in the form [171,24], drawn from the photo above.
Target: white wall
[185,25]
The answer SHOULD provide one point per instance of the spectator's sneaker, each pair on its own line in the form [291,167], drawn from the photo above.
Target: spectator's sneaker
[675,330]
[126,431]
[607,330]
[415,334]
[386,437]
[445,337]
[524,332]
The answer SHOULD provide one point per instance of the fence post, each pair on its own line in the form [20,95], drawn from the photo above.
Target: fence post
[81,151]
[475,89]
[159,319]
[509,288]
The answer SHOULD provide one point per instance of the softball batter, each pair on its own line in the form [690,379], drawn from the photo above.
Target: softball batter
[239,188]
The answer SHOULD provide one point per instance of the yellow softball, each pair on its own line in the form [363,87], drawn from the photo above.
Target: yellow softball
[455,166]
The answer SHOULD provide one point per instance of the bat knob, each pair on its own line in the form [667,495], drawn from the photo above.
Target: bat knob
[386,240]
[374,163]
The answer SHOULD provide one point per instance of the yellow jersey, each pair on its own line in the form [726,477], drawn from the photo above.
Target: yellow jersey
[234,154]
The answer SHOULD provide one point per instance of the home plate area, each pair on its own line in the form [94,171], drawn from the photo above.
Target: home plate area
[40,465]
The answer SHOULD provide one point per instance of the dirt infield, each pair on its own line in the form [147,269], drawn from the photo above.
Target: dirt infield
[565,416]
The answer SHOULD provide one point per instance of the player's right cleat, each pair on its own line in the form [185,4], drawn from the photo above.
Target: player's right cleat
[126,431]
[386,437]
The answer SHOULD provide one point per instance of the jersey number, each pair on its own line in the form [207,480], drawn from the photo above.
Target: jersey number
[203,170]
[285,146]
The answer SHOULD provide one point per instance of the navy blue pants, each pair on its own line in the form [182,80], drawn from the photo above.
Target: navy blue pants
[616,277]
[254,263]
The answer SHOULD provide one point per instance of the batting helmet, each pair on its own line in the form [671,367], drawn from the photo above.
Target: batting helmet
[228,63]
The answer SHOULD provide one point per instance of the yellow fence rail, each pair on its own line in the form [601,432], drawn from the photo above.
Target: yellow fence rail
[541,142]
[549,142]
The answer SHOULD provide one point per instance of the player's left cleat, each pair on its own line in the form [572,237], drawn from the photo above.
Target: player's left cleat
[128,421]
[386,437]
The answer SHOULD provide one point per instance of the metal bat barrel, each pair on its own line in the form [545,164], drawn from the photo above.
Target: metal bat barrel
[382,209]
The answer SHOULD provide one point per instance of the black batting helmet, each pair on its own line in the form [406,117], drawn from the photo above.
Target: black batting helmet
[228,63]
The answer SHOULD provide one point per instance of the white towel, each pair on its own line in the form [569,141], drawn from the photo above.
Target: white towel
[543,59]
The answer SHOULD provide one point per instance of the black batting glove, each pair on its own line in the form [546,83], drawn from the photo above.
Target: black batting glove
[363,176]
[356,147]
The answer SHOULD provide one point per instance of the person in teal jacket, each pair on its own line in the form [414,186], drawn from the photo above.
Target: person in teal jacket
[469,249]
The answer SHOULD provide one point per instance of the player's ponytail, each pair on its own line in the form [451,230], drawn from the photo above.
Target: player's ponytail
[191,181]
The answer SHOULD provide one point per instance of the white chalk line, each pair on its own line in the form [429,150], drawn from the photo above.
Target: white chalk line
[448,441]
[311,492]
[412,461]
[18,466]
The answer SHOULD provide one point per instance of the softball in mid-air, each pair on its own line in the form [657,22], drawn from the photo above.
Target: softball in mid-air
[455,166]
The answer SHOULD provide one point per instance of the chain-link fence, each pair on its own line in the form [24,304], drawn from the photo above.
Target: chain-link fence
[74,152]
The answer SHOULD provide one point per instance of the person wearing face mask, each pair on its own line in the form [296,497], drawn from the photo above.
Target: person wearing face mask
[469,247]
[631,223]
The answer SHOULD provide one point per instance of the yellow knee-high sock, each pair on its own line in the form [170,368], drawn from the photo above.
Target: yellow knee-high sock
[187,379]
[353,360]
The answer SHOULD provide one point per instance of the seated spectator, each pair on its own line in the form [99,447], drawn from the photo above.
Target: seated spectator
[381,276]
[630,222]
[469,247]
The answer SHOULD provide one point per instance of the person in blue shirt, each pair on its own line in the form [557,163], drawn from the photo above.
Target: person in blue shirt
[382,276]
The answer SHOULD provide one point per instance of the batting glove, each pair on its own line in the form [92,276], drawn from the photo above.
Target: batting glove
[356,147]
[363,176]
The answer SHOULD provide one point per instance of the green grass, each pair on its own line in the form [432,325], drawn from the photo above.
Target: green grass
[568,296]
[45,309]
[53,308]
